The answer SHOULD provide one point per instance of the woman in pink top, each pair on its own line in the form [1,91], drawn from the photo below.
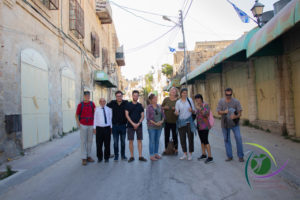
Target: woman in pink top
[203,127]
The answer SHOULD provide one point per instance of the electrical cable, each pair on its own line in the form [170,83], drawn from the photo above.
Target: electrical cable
[138,16]
[188,9]
[142,11]
[149,43]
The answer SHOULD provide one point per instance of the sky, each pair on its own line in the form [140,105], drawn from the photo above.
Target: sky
[207,20]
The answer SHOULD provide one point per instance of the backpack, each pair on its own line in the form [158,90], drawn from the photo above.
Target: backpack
[81,108]
[170,148]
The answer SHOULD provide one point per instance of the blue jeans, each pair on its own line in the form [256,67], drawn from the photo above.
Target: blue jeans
[238,140]
[119,131]
[154,135]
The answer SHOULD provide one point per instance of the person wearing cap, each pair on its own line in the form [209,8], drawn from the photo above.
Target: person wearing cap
[85,120]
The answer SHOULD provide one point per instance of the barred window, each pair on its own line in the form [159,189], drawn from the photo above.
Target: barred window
[51,4]
[104,57]
[76,19]
[95,45]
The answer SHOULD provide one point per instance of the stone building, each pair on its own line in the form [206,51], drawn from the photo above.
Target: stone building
[51,51]
[263,68]
[201,53]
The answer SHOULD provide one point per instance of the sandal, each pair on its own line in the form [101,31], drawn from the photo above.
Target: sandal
[153,158]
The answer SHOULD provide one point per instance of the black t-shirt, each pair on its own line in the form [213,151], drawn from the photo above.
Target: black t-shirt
[118,112]
[135,112]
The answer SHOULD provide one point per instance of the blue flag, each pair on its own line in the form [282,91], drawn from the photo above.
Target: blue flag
[244,17]
[172,49]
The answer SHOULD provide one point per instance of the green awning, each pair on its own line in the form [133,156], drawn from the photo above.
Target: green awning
[234,52]
[279,24]
[238,46]
[199,70]
[103,79]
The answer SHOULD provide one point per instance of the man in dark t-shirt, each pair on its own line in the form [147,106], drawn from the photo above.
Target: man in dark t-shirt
[119,122]
[134,112]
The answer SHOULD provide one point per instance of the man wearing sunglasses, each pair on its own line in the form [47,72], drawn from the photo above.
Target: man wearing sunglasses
[230,110]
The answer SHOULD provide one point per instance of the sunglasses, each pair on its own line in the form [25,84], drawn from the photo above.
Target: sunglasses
[228,95]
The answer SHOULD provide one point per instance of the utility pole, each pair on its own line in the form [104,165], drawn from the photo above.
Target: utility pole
[184,47]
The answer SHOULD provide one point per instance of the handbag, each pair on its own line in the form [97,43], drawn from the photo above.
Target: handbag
[193,115]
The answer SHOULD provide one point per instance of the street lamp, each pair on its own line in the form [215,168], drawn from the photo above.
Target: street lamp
[257,11]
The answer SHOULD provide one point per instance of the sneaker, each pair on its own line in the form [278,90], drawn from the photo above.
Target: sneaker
[229,159]
[112,156]
[184,157]
[131,159]
[124,158]
[142,159]
[202,157]
[99,160]
[241,159]
[84,162]
[116,158]
[208,160]
[190,157]
[106,160]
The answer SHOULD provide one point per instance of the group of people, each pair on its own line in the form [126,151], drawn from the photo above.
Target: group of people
[177,114]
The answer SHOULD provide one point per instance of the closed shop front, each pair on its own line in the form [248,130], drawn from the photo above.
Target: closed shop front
[214,86]
[295,59]
[68,99]
[237,79]
[35,102]
[266,88]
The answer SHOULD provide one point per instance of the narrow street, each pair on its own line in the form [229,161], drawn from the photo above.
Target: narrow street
[169,178]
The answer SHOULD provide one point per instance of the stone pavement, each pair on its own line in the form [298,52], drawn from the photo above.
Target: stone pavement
[52,171]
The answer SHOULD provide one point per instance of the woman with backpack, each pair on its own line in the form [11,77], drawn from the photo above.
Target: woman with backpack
[185,110]
[204,124]
[155,120]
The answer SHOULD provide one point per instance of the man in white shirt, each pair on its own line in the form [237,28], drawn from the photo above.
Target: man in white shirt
[102,129]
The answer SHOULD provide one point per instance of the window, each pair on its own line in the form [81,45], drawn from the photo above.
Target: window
[104,58]
[76,20]
[95,45]
[51,4]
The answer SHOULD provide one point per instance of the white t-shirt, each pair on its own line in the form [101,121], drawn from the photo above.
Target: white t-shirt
[182,107]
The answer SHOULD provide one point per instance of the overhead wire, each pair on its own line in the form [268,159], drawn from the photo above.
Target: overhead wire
[138,16]
[143,11]
[188,10]
[149,43]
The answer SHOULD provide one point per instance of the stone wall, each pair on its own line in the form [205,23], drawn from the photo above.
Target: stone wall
[22,28]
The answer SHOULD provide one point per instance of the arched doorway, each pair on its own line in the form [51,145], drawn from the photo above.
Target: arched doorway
[34,97]
[68,99]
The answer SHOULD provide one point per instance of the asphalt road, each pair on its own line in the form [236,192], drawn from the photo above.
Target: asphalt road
[169,178]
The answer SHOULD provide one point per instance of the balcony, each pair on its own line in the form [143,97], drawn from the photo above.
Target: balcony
[103,11]
[120,56]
